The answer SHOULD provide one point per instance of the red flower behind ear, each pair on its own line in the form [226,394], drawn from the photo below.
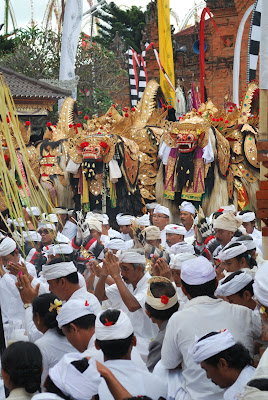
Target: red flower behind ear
[108,323]
[164,299]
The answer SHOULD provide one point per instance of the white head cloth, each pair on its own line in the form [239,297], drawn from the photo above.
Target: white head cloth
[62,248]
[59,210]
[197,271]
[252,393]
[105,219]
[151,206]
[152,233]
[72,310]
[94,223]
[130,257]
[177,229]
[227,209]
[121,329]
[260,285]
[124,219]
[58,270]
[247,217]
[176,260]
[250,244]
[161,210]
[33,211]
[32,236]
[163,302]
[227,222]
[212,345]
[114,234]
[143,221]
[237,283]
[115,244]
[47,225]
[52,218]
[73,383]
[229,252]
[181,247]
[7,246]
[187,206]
[17,222]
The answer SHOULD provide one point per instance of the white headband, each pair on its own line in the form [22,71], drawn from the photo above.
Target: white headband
[233,286]
[181,247]
[176,260]
[51,218]
[72,382]
[62,248]
[197,271]
[226,209]
[72,310]
[260,285]
[32,236]
[151,206]
[212,345]
[58,270]
[121,329]
[124,219]
[33,211]
[7,246]
[94,223]
[130,257]
[177,229]
[250,244]
[143,221]
[152,233]
[163,302]
[187,206]
[247,217]
[48,225]
[59,210]
[161,210]
[231,252]
[115,244]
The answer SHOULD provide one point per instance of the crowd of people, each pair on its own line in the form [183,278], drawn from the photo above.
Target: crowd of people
[134,306]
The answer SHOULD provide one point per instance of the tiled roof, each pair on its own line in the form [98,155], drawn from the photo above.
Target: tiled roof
[22,86]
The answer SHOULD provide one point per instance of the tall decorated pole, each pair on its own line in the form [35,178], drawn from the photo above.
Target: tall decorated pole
[73,13]
[166,51]
[262,145]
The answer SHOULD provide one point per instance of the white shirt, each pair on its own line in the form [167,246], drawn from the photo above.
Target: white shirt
[53,347]
[200,316]
[163,239]
[69,230]
[189,233]
[136,381]
[238,387]
[257,237]
[83,294]
[144,329]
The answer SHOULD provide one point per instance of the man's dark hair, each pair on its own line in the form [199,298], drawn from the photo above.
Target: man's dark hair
[261,384]
[73,277]
[248,287]
[237,356]
[206,289]
[85,322]
[159,289]
[113,349]
[52,388]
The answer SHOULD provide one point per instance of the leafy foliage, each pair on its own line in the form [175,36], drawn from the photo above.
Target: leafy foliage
[128,23]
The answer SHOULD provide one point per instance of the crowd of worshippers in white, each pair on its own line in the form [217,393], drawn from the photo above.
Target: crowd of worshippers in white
[143,308]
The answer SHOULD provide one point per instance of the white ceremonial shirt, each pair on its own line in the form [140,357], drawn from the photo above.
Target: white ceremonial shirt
[144,329]
[136,381]
[83,294]
[53,347]
[199,317]
[257,237]
[238,387]
[189,233]
[163,239]
[69,230]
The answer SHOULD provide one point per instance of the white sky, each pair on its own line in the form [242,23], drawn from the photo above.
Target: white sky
[22,9]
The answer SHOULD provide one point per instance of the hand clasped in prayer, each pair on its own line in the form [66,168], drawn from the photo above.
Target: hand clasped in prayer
[111,265]
[26,291]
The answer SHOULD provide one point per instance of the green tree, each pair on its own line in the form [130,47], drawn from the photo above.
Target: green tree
[128,23]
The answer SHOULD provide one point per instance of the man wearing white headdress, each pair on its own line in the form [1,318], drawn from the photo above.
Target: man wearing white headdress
[65,226]
[225,227]
[202,314]
[175,235]
[161,217]
[127,269]
[249,222]
[237,288]
[142,221]
[187,214]
[227,363]
[150,207]
[12,264]
[115,336]
[235,257]
[175,263]
[124,222]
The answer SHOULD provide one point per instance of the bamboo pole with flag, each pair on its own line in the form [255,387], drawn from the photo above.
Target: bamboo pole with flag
[166,51]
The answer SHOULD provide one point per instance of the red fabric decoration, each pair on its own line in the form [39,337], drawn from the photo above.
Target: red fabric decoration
[8,120]
[27,123]
[104,145]
[86,117]
[86,303]
[49,124]
[84,144]
[220,210]
[164,299]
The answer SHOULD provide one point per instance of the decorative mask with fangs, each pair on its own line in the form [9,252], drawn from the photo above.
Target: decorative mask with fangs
[187,142]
